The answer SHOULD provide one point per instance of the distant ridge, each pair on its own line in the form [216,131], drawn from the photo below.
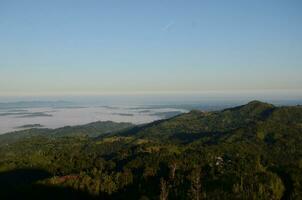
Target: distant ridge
[93,129]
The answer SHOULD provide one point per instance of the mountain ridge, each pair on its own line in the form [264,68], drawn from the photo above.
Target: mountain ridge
[206,122]
[246,152]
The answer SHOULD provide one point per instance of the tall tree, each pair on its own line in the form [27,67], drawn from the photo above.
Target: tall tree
[196,187]
[164,190]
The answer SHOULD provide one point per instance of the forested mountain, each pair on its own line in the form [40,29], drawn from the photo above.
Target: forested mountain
[252,151]
[91,130]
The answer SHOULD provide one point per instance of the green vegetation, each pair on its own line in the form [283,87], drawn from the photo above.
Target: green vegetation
[248,152]
[91,130]
[26,126]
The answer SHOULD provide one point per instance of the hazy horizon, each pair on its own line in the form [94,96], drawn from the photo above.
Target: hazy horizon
[275,97]
[55,112]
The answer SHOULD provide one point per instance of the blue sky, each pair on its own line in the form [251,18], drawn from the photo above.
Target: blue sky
[125,46]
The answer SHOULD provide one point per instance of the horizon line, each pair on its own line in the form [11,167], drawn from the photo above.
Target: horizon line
[117,93]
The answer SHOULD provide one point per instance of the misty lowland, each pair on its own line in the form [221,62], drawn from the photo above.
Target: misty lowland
[253,151]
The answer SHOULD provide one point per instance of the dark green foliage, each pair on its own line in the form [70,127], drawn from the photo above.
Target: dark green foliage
[248,152]
[94,129]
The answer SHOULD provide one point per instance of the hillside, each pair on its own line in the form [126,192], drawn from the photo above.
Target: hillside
[197,124]
[91,130]
[252,151]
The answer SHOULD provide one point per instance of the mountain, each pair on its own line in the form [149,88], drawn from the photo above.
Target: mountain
[253,151]
[91,130]
[197,123]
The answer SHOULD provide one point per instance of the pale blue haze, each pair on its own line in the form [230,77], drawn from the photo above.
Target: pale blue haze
[124,46]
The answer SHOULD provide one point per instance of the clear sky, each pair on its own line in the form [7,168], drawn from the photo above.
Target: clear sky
[125,46]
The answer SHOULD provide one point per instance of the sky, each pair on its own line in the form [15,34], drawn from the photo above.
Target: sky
[124,46]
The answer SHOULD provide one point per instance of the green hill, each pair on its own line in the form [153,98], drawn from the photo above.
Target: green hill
[91,130]
[252,151]
[197,123]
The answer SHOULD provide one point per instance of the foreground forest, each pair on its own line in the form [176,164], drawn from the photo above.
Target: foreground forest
[249,152]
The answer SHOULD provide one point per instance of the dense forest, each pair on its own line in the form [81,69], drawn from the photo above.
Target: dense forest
[252,151]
